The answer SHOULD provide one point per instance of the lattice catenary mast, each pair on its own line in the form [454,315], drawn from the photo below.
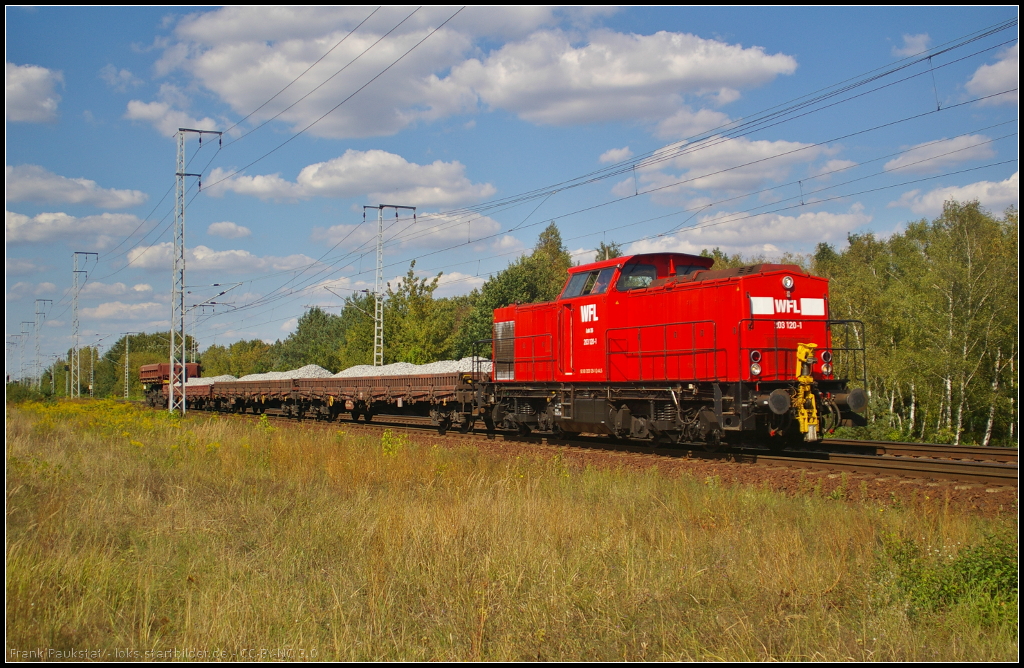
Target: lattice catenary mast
[75,370]
[378,281]
[39,367]
[178,375]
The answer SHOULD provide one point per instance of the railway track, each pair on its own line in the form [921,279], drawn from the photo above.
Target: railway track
[972,464]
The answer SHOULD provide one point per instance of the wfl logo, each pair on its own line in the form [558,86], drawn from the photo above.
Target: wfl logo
[588,312]
[786,306]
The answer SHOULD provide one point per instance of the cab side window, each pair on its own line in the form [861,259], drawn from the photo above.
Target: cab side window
[636,276]
[575,286]
[588,283]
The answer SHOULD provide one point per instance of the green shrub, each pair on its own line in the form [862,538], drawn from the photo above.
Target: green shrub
[982,576]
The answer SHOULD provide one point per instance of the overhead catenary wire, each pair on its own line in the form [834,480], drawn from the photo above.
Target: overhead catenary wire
[397,238]
[690,179]
[687,210]
[753,212]
[629,165]
[337,106]
[717,222]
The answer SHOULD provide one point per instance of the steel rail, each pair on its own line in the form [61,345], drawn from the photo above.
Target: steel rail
[939,450]
[1001,473]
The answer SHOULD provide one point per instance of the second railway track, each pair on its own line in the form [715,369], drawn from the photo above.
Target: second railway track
[972,464]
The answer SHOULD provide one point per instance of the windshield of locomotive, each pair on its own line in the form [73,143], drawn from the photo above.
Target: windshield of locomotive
[635,276]
[588,283]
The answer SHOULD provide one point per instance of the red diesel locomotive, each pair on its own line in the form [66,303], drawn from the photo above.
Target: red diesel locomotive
[661,346]
[656,347]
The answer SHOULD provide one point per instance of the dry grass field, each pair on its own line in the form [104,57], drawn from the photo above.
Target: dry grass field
[132,535]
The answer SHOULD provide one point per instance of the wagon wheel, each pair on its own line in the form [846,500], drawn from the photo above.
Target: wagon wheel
[713,441]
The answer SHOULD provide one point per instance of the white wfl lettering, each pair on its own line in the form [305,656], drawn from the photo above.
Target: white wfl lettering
[588,312]
[786,306]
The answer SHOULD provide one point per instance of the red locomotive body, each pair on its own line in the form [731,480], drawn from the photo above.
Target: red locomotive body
[663,345]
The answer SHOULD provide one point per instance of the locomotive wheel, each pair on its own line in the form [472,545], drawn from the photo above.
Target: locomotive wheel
[355,414]
[713,441]
[368,416]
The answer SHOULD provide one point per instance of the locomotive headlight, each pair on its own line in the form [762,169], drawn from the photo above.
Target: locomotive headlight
[826,356]
[755,355]
[787,282]
[755,369]
[826,369]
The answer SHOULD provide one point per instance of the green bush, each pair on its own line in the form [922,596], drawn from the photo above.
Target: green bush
[17,393]
[982,576]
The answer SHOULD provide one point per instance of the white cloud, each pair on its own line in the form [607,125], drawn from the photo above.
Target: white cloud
[31,93]
[266,49]
[457,283]
[767,234]
[17,266]
[166,115]
[583,255]
[245,55]
[687,123]
[228,230]
[993,195]
[935,156]
[266,24]
[912,45]
[718,164]
[107,290]
[507,243]
[202,258]
[122,311]
[995,78]
[21,289]
[615,76]
[119,80]
[100,230]
[616,155]
[375,174]
[432,230]
[289,325]
[165,119]
[32,183]
[824,172]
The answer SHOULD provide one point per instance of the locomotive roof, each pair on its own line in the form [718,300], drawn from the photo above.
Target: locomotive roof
[707,262]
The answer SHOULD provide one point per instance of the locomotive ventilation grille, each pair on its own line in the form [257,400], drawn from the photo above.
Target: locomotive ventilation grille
[504,350]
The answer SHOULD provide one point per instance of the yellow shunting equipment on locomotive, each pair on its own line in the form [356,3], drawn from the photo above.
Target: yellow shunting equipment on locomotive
[803,400]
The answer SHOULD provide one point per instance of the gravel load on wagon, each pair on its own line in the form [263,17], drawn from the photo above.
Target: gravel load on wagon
[463,365]
[308,371]
[208,380]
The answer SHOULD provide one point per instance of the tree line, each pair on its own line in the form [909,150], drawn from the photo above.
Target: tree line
[939,303]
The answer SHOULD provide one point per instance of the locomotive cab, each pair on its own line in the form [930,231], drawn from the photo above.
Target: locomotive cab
[591,304]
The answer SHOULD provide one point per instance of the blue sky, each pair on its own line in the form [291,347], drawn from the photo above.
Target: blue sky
[657,128]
